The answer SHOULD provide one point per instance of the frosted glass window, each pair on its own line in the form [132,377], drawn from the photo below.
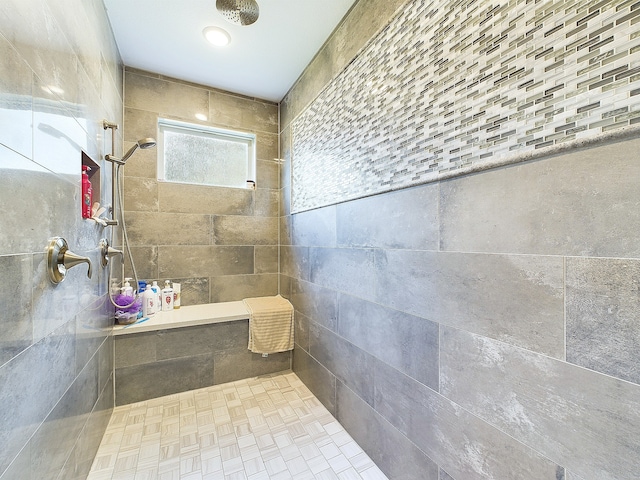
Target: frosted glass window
[201,155]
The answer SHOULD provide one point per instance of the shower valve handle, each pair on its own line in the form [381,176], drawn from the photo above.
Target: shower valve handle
[60,258]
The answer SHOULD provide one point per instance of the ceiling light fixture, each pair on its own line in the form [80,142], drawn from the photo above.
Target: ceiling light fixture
[217,36]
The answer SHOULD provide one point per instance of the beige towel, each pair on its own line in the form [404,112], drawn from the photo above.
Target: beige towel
[270,324]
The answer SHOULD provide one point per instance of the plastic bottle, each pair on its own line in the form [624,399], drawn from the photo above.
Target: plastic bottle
[148,302]
[127,290]
[156,289]
[176,295]
[167,296]
[87,193]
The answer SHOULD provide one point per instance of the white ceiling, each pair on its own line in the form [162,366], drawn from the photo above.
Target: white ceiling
[263,59]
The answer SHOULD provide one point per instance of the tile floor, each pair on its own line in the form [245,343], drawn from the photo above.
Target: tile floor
[269,427]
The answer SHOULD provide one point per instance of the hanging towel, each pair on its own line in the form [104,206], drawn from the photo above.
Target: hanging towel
[270,324]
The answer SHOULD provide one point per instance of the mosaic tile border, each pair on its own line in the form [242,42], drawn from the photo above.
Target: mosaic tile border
[450,87]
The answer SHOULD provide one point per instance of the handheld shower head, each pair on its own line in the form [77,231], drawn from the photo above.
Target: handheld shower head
[147,142]
[142,143]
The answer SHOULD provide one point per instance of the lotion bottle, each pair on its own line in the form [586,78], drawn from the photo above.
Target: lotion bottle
[156,291]
[148,302]
[167,296]
[176,295]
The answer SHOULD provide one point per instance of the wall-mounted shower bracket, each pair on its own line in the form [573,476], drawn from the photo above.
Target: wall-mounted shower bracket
[113,126]
[118,162]
[60,259]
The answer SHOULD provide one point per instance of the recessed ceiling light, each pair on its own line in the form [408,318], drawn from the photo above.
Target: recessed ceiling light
[217,36]
[201,116]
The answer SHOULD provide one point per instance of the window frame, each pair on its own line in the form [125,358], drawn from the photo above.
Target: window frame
[177,126]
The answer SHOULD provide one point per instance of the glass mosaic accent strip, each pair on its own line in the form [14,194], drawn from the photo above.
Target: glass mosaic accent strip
[452,84]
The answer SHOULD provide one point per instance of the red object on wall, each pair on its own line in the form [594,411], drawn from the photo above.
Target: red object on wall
[87,193]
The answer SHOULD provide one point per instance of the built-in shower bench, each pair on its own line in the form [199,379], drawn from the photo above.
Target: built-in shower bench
[192,347]
[188,316]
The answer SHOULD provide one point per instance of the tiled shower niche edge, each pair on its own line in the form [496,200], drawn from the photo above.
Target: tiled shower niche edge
[448,88]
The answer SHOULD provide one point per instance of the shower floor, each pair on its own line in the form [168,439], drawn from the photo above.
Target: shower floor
[269,427]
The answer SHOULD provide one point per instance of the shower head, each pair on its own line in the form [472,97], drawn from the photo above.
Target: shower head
[240,12]
[142,143]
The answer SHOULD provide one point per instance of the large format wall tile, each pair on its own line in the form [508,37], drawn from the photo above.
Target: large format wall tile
[587,421]
[16,103]
[603,308]
[490,257]
[392,452]
[15,297]
[294,262]
[301,334]
[185,198]
[516,299]
[189,358]
[558,206]
[350,364]
[347,270]
[266,259]
[404,219]
[267,174]
[241,230]
[242,223]
[461,443]
[164,96]
[229,366]
[59,81]
[152,228]
[198,261]
[316,228]
[69,416]
[406,342]
[48,205]
[230,288]
[142,382]
[266,202]
[81,458]
[141,194]
[318,303]
[243,112]
[92,329]
[40,372]
[316,377]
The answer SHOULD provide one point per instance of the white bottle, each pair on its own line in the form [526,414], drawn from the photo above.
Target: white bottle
[148,302]
[167,296]
[176,295]
[156,291]
[127,289]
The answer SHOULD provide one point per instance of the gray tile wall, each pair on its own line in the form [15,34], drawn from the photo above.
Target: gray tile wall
[154,364]
[450,87]
[479,327]
[61,76]
[219,243]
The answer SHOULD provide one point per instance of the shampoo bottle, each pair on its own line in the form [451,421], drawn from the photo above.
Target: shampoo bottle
[167,296]
[148,302]
[87,193]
